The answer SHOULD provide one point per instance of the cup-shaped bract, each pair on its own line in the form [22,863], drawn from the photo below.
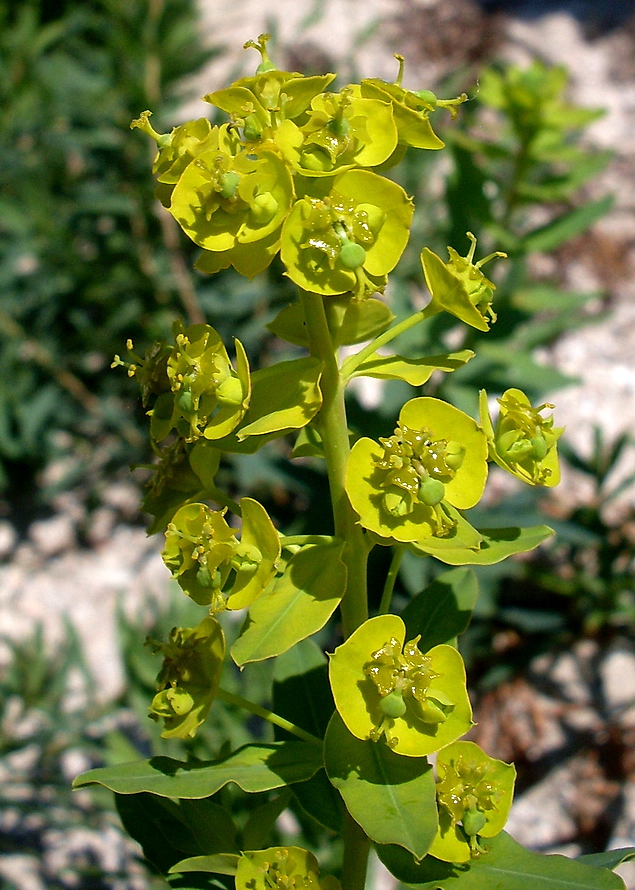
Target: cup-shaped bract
[385,687]
[460,287]
[176,150]
[211,565]
[409,110]
[283,868]
[524,443]
[401,486]
[207,396]
[258,104]
[474,794]
[222,199]
[188,680]
[348,238]
[343,130]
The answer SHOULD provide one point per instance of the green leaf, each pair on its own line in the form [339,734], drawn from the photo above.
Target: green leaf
[566,226]
[507,866]
[414,371]
[392,797]
[289,325]
[253,768]
[443,610]
[362,320]
[153,822]
[609,859]
[285,396]
[295,606]
[321,801]
[219,863]
[350,321]
[301,691]
[497,545]
[261,822]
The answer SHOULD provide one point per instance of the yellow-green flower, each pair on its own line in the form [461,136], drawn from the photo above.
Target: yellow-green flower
[524,443]
[348,238]
[459,286]
[151,371]
[211,565]
[474,794]
[281,868]
[188,680]
[258,105]
[342,130]
[405,486]
[224,199]
[207,396]
[386,687]
[411,109]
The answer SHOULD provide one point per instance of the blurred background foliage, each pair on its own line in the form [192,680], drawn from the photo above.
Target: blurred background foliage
[88,259]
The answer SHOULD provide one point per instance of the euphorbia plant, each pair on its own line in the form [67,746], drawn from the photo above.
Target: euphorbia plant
[299,172]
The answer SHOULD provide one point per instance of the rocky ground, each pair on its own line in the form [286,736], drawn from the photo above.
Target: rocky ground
[571,705]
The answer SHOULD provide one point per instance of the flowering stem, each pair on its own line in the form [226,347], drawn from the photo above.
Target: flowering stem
[232,699]
[391,577]
[332,425]
[401,327]
[333,428]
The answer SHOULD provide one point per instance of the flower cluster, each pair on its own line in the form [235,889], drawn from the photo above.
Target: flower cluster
[188,680]
[524,443]
[474,794]
[406,486]
[459,286]
[294,171]
[281,868]
[211,565]
[385,687]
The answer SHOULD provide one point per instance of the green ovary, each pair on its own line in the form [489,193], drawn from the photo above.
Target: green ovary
[404,680]
[341,232]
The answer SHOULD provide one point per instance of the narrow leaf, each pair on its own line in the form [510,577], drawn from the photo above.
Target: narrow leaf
[507,866]
[219,863]
[413,371]
[567,226]
[253,768]
[497,545]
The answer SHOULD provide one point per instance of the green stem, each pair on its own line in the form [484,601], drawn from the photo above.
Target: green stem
[240,702]
[333,428]
[332,425]
[391,577]
[401,327]
[356,850]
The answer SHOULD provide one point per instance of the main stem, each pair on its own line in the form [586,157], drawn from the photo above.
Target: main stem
[333,428]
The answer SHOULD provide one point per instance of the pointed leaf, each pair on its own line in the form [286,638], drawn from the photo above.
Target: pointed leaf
[218,863]
[390,796]
[609,858]
[414,371]
[497,545]
[295,606]
[253,768]
[507,866]
[566,226]
[285,396]
[443,610]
